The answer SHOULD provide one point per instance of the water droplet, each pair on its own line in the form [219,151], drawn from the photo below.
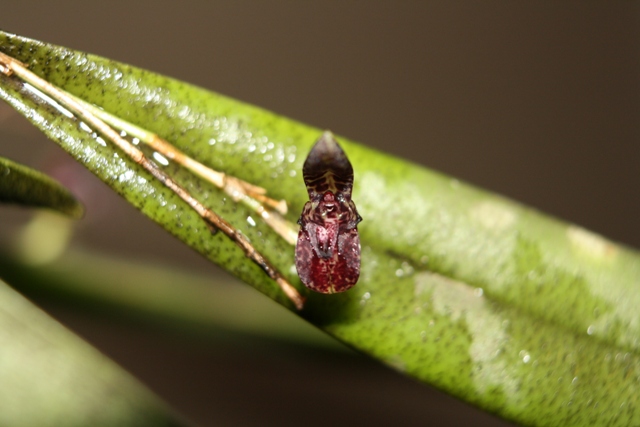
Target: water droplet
[251,221]
[365,297]
[123,177]
[85,127]
[590,330]
[161,159]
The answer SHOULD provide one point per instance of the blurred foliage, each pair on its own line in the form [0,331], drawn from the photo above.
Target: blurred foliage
[52,378]
[199,305]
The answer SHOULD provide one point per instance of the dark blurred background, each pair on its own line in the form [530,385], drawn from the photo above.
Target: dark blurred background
[537,100]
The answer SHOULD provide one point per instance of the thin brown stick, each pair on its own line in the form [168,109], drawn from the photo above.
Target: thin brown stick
[239,190]
[9,65]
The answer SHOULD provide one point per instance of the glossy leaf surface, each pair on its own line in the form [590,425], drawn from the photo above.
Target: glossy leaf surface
[521,314]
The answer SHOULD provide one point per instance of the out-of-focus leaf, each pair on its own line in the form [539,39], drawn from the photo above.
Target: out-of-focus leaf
[25,186]
[526,316]
[52,378]
[195,305]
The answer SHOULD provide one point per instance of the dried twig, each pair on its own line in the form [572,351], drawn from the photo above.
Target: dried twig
[10,66]
[240,191]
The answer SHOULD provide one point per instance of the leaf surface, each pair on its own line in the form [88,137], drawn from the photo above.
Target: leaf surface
[51,378]
[524,315]
[27,187]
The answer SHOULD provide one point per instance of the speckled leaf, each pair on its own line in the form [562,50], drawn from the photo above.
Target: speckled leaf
[25,186]
[521,314]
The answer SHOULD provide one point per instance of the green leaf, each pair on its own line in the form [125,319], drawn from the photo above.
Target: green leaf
[524,315]
[25,186]
[52,378]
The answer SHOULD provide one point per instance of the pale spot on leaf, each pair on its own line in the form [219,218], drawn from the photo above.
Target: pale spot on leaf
[493,216]
[486,327]
[590,243]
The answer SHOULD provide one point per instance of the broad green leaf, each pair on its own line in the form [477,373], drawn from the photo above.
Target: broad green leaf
[25,186]
[521,314]
[52,378]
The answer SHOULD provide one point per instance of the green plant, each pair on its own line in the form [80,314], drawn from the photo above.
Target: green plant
[526,316]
